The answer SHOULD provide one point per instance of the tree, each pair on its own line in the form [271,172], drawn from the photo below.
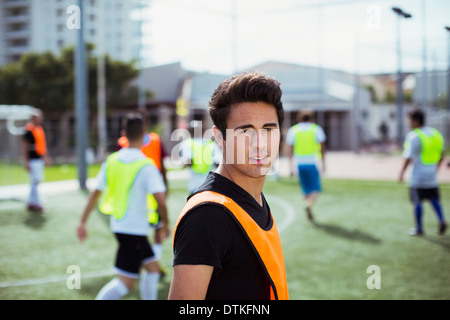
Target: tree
[46,81]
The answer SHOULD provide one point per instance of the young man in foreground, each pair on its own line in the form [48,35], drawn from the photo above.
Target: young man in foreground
[226,244]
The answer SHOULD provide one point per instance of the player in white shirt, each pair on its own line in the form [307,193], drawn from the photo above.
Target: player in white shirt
[125,180]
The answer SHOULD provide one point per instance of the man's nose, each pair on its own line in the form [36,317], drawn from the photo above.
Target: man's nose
[259,139]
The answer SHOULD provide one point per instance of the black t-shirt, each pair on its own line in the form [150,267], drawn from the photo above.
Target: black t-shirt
[210,235]
[28,137]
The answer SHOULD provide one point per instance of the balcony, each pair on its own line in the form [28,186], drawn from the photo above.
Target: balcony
[23,18]
[17,50]
[16,35]
[12,4]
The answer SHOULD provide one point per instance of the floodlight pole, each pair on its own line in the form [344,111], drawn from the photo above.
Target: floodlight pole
[424,59]
[101,92]
[81,101]
[234,46]
[399,99]
[141,98]
[448,69]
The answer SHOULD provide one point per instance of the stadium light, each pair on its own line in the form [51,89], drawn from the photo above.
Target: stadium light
[448,69]
[81,101]
[401,14]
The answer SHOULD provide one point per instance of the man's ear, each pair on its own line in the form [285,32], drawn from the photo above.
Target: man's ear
[218,136]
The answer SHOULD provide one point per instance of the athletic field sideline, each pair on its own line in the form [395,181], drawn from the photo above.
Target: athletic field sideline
[360,225]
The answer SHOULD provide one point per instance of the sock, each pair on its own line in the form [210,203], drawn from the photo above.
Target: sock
[438,209]
[34,195]
[113,290]
[157,250]
[418,215]
[148,285]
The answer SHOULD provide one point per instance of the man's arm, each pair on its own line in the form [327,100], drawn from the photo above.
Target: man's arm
[190,282]
[46,156]
[402,171]
[323,150]
[162,211]
[47,160]
[93,199]
[440,160]
[26,159]
[291,160]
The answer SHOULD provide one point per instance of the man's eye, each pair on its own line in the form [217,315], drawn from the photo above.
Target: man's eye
[247,130]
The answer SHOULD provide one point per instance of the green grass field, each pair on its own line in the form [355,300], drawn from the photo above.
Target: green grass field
[11,174]
[358,224]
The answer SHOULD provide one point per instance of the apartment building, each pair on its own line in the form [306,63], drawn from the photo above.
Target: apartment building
[41,25]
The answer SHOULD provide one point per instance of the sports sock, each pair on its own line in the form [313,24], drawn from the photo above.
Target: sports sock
[418,215]
[438,209]
[148,285]
[157,250]
[113,290]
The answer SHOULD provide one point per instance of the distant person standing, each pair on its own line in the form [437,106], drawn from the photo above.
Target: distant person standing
[35,157]
[307,146]
[384,133]
[424,148]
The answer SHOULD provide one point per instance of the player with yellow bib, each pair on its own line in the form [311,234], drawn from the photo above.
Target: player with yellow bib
[307,142]
[125,182]
[424,148]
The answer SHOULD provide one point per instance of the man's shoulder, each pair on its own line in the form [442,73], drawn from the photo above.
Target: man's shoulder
[206,214]
[205,219]
[207,210]
[411,135]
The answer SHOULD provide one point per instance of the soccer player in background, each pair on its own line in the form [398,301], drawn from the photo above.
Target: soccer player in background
[307,146]
[35,157]
[424,148]
[126,179]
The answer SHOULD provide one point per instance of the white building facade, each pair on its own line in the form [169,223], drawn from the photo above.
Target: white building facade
[42,25]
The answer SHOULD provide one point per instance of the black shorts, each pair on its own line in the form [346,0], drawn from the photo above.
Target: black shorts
[134,251]
[417,195]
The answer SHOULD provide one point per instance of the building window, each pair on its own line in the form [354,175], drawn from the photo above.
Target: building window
[365,114]
[392,115]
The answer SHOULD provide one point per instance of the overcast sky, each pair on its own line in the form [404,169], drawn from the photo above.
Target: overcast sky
[347,35]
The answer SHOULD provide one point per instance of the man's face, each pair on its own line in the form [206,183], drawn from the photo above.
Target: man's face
[252,138]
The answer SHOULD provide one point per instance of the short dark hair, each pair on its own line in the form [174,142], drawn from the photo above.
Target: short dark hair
[418,116]
[304,116]
[134,126]
[244,87]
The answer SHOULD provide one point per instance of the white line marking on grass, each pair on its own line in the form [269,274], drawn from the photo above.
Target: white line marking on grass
[52,279]
[378,183]
[287,208]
